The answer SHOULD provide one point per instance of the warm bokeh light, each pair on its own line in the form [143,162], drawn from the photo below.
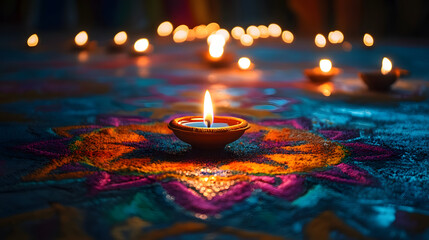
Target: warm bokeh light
[120,38]
[180,36]
[368,40]
[386,66]
[320,40]
[237,32]
[212,27]
[246,40]
[244,63]
[191,35]
[33,40]
[216,50]
[347,46]
[253,31]
[264,31]
[224,33]
[326,89]
[335,37]
[83,56]
[325,65]
[81,38]
[275,30]
[141,45]
[165,29]
[201,31]
[208,110]
[180,28]
[287,36]
[216,39]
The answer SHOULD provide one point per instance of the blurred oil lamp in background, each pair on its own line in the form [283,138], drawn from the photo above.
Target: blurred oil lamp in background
[142,47]
[246,40]
[263,30]
[274,30]
[324,73]
[244,63]
[368,40]
[336,37]
[253,31]
[320,40]
[237,32]
[381,80]
[209,131]
[32,41]
[165,29]
[287,36]
[119,42]
[81,42]
[216,55]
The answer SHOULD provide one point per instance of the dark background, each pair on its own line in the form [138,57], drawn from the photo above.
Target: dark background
[386,18]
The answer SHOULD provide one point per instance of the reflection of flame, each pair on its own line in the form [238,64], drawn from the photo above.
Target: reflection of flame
[216,50]
[165,29]
[81,38]
[368,40]
[208,110]
[386,66]
[253,31]
[244,63]
[120,38]
[320,40]
[141,45]
[287,37]
[325,65]
[246,40]
[33,40]
[237,32]
[326,89]
[275,30]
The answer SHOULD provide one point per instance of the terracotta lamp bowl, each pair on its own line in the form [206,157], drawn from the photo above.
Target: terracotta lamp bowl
[375,81]
[225,60]
[317,76]
[208,138]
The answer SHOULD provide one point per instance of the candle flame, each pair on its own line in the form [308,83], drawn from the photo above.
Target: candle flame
[141,45]
[33,40]
[386,66]
[81,38]
[208,110]
[165,29]
[320,40]
[120,38]
[325,65]
[368,40]
[244,63]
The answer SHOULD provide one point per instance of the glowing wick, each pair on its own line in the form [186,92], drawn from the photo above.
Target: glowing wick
[120,38]
[208,110]
[81,38]
[33,40]
[325,65]
[386,66]
[244,63]
[141,45]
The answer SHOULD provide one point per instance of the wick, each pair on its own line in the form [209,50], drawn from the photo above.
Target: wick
[208,123]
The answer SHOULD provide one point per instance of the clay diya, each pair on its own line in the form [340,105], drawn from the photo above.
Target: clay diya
[208,132]
[324,73]
[81,42]
[119,42]
[142,47]
[380,81]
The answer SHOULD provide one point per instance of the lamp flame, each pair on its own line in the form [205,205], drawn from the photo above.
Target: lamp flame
[216,50]
[208,110]
[120,38]
[368,40]
[237,32]
[244,63]
[165,29]
[81,38]
[141,45]
[386,66]
[287,36]
[325,65]
[320,40]
[33,40]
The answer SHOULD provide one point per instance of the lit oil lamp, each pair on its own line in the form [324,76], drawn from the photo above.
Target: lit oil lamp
[119,42]
[324,73]
[244,63]
[32,41]
[381,80]
[142,47]
[216,56]
[81,42]
[209,131]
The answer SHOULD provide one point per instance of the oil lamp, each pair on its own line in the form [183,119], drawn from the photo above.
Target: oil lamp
[142,47]
[216,56]
[119,42]
[381,80]
[209,131]
[81,42]
[324,73]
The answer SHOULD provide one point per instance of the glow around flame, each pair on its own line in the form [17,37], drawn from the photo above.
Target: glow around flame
[325,65]
[208,110]
[81,38]
[386,66]
[120,38]
[33,40]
